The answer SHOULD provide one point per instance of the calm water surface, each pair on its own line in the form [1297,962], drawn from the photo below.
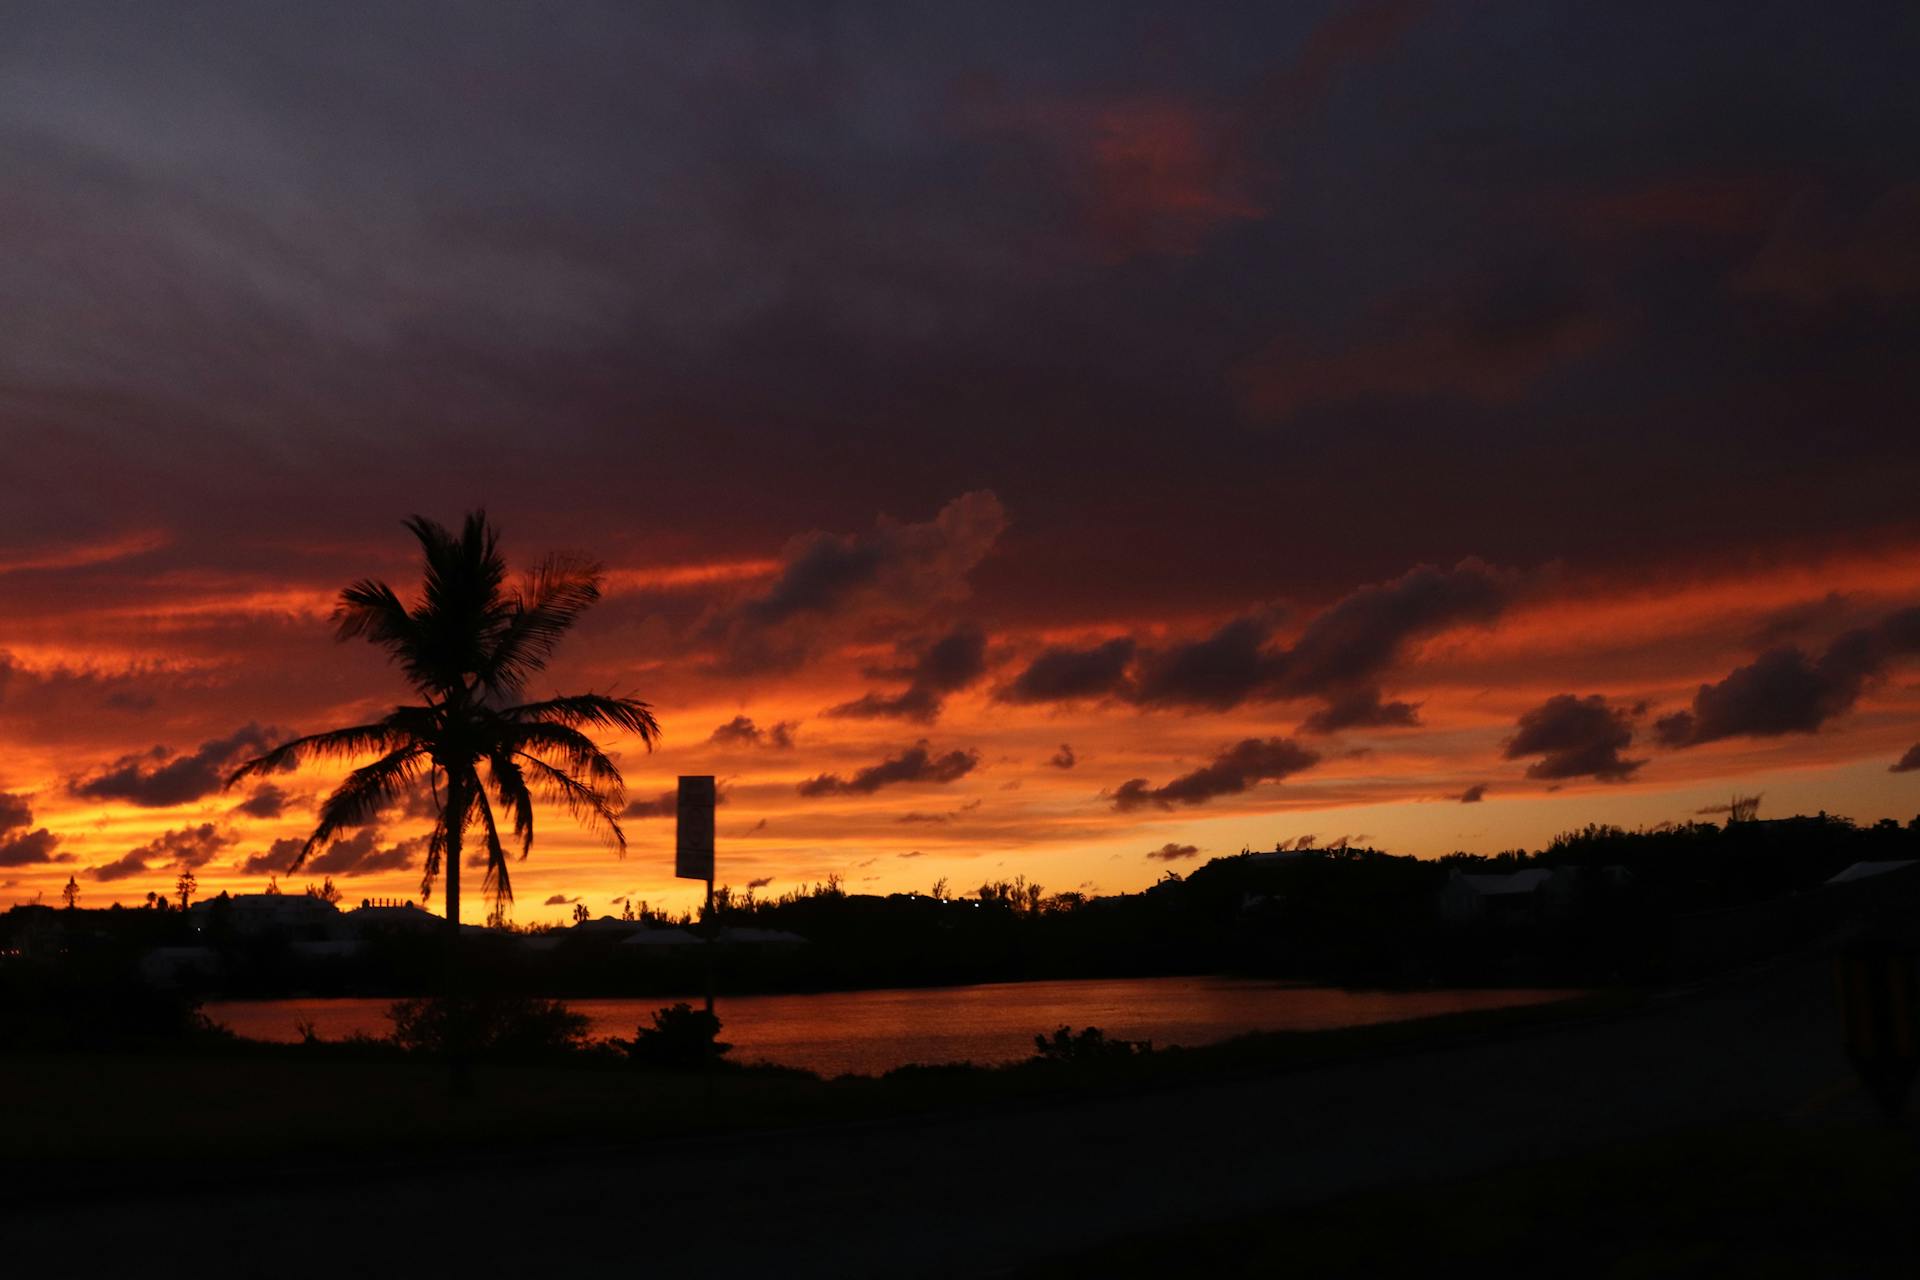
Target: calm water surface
[874,1031]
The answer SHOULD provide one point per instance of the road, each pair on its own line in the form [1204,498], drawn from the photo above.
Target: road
[982,1193]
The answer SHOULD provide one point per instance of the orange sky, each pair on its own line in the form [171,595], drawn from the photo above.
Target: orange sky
[191,666]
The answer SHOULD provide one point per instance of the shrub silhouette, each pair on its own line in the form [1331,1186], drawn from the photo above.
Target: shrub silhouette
[681,1038]
[495,1026]
[1088,1046]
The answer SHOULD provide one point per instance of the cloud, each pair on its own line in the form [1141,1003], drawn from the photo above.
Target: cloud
[1575,738]
[1171,852]
[1217,673]
[945,666]
[1361,709]
[913,854]
[741,731]
[267,801]
[1787,690]
[361,855]
[1908,762]
[159,778]
[278,858]
[915,764]
[1243,765]
[1819,255]
[1066,674]
[1749,803]
[664,805]
[183,850]
[1064,757]
[1474,794]
[562,900]
[829,581]
[21,843]
[760,882]
[1338,656]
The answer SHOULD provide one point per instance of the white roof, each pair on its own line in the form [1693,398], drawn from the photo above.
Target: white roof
[1863,870]
[748,935]
[1512,882]
[607,924]
[659,938]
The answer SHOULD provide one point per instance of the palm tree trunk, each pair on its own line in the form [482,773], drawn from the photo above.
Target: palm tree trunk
[459,1017]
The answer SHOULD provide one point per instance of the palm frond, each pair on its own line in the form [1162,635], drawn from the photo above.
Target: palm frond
[595,710]
[496,884]
[364,793]
[588,807]
[578,754]
[391,734]
[370,608]
[510,785]
[556,593]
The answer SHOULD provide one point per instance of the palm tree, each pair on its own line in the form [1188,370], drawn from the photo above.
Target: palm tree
[468,646]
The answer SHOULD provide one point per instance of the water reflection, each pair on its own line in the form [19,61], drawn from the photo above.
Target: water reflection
[873,1031]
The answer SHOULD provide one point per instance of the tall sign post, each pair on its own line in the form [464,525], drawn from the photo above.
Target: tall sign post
[693,852]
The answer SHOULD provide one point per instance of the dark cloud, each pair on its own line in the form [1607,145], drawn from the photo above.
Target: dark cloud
[1337,657]
[1216,673]
[759,882]
[1575,738]
[1746,804]
[1171,852]
[15,812]
[1361,709]
[361,855]
[664,805]
[1064,757]
[183,849]
[1065,674]
[915,764]
[159,778]
[1349,644]
[27,848]
[278,858]
[562,900]
[912,854]
[1908,762]
[1474,794]
[894,573]
[22,844]
[741,731]
[945,666]
[267,801]
[1787,690]
[1243,765]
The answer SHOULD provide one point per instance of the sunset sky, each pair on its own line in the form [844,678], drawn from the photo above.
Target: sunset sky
[1069,441]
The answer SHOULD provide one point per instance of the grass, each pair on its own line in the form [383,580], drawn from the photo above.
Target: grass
[1751,1200]
[83,1121]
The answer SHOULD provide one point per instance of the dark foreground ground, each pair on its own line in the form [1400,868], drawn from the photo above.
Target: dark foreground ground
[1711,1131]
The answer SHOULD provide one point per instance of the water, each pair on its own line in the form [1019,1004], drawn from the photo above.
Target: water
[869,1032]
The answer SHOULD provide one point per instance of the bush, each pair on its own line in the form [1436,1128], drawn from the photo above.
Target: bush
[1090,1045]
[681,1038]
[491,1026]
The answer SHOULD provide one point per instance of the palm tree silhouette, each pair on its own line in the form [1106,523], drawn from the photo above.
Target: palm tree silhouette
[468,646]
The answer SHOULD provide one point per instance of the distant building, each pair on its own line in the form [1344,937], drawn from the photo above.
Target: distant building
[254,914]
[1868,870]
[1473,899]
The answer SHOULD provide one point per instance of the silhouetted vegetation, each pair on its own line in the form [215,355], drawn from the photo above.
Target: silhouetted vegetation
[682,1038]
[1610,906]
[500,1027]
[1090,1044]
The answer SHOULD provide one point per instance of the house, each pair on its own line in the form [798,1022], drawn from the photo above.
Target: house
[1473,898]
[1868,870]
[252,915]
